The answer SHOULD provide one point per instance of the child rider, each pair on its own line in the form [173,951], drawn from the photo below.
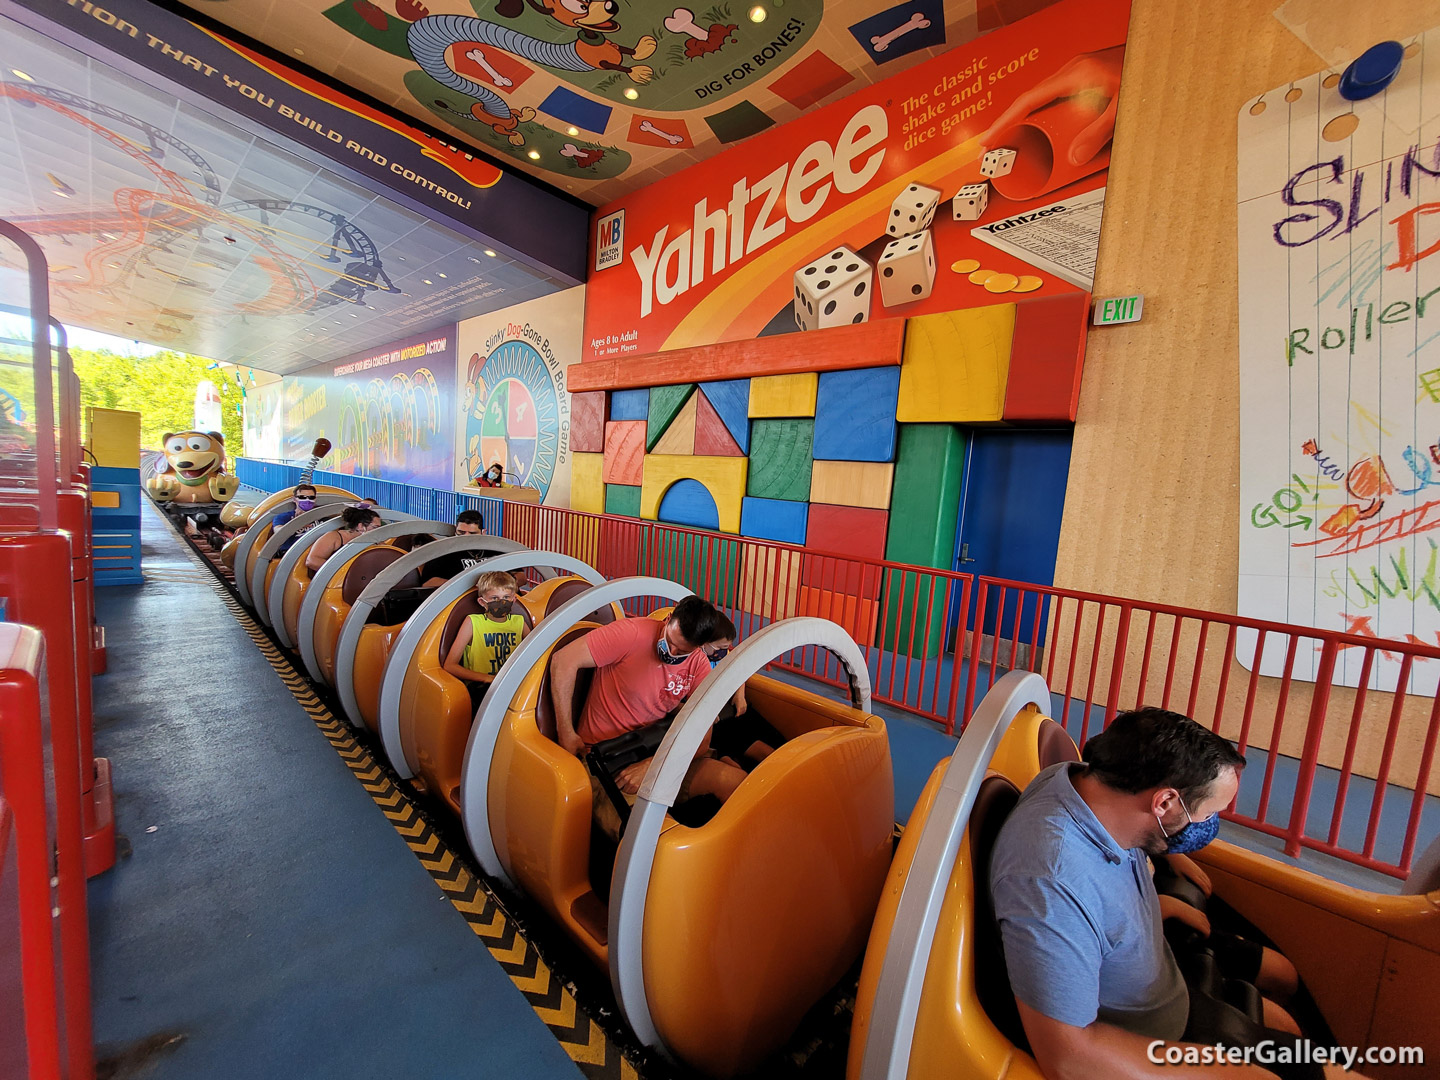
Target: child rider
[485,641]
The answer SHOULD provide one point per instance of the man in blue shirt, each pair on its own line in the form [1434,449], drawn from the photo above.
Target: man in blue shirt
[1093,976]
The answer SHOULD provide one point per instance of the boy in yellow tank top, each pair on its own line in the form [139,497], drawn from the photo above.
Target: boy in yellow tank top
[486,640]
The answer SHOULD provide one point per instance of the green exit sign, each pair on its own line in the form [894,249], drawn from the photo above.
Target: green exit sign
[1119,309]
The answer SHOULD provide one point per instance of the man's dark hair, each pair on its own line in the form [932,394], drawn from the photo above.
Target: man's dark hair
[1153,748]
[697,620]
[470,517]
[304,487]
[352,517]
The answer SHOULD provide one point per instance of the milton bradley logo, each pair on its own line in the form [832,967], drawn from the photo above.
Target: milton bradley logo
[1021,219]
[610,240]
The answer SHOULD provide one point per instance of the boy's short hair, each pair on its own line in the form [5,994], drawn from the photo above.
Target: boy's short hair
[494,579]
[470,517]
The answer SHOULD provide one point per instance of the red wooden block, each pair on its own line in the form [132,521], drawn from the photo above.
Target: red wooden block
[587,423]
[836,348]
[834,532]
[1047,355]
[624,452]
[712,437]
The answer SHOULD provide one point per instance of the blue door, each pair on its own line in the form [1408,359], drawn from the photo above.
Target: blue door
[1010,509]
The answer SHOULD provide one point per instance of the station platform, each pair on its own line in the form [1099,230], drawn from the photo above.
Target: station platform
[265,918]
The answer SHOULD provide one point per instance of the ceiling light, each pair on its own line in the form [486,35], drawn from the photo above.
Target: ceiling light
[474,259]
[441,275]
[534,155]
[572,130]
[299,52]
[402,258]
[758,13]
[490,253]
[353,315]
[632,93]
[428,281]
[21,75]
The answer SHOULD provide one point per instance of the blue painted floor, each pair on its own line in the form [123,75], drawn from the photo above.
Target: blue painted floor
[270,919]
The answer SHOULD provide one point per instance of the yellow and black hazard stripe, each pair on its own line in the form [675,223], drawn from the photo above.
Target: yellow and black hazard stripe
[597,1056]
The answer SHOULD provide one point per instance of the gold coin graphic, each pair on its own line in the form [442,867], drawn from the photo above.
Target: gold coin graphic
[1001,283]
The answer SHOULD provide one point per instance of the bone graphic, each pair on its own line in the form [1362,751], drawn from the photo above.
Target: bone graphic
[570,150]
[495,76]
[916,22]
[673,140]
[683,22]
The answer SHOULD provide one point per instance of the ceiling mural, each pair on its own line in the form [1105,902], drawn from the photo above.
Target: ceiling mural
[162,223]
[600,97]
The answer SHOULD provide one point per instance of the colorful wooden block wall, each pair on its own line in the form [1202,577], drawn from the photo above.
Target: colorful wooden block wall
[826,458]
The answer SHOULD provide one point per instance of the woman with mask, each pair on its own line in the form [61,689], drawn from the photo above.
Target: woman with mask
[491,477]
[354,521]
[486,640]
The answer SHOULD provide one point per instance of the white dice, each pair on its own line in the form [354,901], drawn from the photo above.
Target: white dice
[969,202]
[912,211]
[834,290]
[907,269]
[997,162]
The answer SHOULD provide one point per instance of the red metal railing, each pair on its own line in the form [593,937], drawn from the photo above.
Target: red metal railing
[928,633]
[1247,679]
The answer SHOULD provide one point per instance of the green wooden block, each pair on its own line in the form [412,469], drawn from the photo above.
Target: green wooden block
[622,499]
[707,564]
[780,459]
[665,404]
[929,468]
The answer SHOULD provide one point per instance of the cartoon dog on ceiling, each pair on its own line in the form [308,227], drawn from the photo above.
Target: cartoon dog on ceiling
[432,37]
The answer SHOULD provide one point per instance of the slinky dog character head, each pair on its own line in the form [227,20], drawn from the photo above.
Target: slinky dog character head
[195,456]
[587,14]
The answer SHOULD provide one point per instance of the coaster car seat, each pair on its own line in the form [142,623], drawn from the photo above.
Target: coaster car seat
[425,713]
[714,957]
[332,590]
[247,545]
[712,960]
[270,565]
[934,997]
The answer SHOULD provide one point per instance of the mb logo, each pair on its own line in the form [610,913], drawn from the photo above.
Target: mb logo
[610,240]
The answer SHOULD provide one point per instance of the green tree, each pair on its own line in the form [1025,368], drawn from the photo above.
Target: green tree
[161,388]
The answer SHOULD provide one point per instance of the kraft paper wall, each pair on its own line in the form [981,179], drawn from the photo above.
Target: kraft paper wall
[1152,509]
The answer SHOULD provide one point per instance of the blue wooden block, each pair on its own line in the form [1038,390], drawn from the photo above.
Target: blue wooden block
[689,503]
[731,399]
[780,520]
[630,404]
[855,414]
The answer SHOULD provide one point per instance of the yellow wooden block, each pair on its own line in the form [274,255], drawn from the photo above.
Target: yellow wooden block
[784,395]
[115,437]
[723,477]
[852,483]
[587,484]
[769,581]
[955,366]
[679,437]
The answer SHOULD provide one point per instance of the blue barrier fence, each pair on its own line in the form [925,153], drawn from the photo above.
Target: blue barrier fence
[430,503]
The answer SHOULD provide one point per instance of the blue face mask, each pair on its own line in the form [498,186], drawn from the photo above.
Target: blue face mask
[662,650]
[718,655]
[1194,836]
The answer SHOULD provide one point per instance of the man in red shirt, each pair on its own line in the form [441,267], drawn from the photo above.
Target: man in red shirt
[645,669]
